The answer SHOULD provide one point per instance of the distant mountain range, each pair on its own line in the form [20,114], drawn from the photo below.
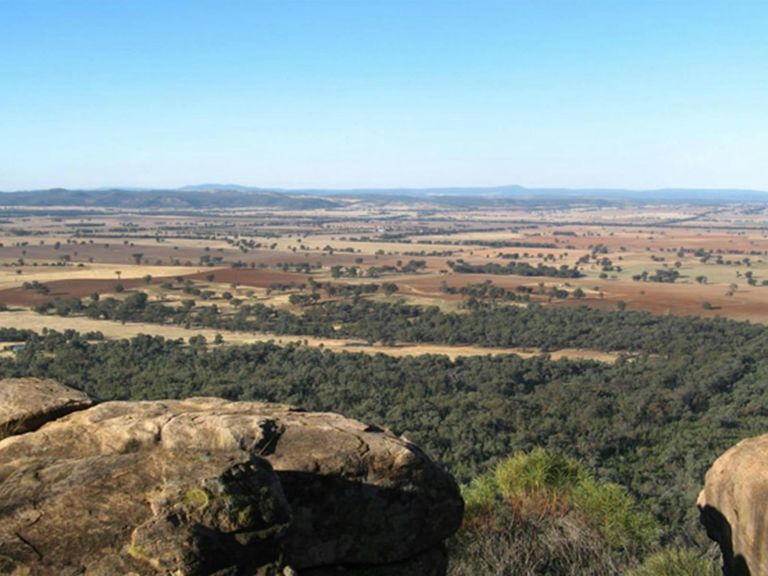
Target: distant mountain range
[514,191]
[519,194]
[237,196]
[168,199]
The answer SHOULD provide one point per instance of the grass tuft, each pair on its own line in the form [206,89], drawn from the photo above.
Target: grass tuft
[543,513]
[677,562]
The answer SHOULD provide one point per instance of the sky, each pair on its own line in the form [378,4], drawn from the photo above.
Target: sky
[386,93]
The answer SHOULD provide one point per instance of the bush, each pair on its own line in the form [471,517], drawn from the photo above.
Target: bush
[537,474]
[611,509]
[480,495]
[543,513]
[677,562]
[547,481]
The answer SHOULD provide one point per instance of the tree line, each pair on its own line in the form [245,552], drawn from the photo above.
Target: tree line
[489,324]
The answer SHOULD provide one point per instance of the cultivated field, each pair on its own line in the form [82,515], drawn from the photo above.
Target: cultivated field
[683,260]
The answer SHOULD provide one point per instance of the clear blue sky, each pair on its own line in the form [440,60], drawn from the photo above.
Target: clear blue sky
[382,93]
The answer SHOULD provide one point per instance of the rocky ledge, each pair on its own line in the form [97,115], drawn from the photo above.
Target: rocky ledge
[28,403]
[206,486]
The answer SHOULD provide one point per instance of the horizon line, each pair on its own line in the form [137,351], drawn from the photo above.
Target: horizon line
[209,187]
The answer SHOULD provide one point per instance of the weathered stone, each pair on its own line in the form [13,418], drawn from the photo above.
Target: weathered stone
[28,403]
[205,485]
[205,519]
[358,494]
[107,510]
[734,507]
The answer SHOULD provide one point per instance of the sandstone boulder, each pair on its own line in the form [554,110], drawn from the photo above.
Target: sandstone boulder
[204,485]
[734,507]
[28,403]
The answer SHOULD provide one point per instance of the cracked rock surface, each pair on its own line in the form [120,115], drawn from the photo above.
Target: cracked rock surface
[204,486]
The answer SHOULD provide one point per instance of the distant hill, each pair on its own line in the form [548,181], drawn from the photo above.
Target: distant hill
[520,193]
[169,199]
[237,196]
[513,194]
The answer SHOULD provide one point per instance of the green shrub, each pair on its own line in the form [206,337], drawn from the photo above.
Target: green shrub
[538,473]
[677,562]
[613,512]
[543,513]
[480,495]
[542,480]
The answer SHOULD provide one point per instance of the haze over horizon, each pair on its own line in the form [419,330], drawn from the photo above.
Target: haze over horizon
[392,94]
[480,190]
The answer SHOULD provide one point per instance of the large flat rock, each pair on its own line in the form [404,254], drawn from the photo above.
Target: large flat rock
[193,485]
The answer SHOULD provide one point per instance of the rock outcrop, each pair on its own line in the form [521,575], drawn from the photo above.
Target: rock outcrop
[734,507]
[207,486]
[28,403]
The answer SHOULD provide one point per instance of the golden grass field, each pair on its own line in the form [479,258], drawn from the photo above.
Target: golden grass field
[10,279]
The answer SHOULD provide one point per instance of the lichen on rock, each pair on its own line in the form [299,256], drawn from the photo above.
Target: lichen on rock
[203,486]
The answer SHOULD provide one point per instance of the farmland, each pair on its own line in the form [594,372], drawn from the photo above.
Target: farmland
[664,259]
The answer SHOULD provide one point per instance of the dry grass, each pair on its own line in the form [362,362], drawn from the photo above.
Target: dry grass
[10,279]
[554,545]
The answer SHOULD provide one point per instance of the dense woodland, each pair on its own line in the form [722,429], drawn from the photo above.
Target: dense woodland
[653,421]
[548,328]
[515,268]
